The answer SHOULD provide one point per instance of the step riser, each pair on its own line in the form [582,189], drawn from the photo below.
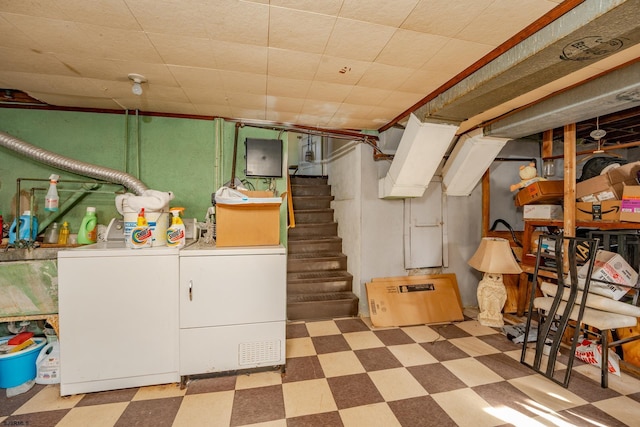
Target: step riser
[314,217]
[319,287]
[322,310]
[313,230]
[310,190]
[297,180]
[306,247]
[328,264]
[311,203]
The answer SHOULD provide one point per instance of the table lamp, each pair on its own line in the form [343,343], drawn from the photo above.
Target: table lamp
[494,258]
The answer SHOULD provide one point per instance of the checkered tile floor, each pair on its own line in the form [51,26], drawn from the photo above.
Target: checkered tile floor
[344,373]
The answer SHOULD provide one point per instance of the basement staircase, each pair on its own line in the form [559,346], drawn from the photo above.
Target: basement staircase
[318,284]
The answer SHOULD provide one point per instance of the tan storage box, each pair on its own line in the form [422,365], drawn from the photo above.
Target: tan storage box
[414,300]
[249,224]
[607,210]
[608,186]
[541,192]
[542,212]
[630,205]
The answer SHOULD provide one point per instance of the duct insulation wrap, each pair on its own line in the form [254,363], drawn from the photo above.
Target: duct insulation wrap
[71,165]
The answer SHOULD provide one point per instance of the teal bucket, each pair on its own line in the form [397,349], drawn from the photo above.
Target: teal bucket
[19,367]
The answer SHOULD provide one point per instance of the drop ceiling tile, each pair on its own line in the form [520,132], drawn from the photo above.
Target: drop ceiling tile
[310,119]
[206,95]
[513,15]
[197,77]
[455,56]
[12,37]
[237,21]
[183,50]
[282,103]
[246,100]
[354,111]
[358,40]
[443,17]
[410,49]
[73,101]
[326,7]
[350,123]
[281,116]
[149,90]
[295,30]
[323,91]
[240,57]
[293,64]
[293,88]
[53,84]
[425,81]
[27,61]
[247,113]
[402,100]
[170,17]
[213,110]
[366,95]
[118,44]
[384,76]
[33,8]
[378,11]
[52,35]
[382,115]
[340,70]
[320,108]
[113,14]
[235,81]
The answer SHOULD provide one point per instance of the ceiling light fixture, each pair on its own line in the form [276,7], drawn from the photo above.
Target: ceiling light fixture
[137,80]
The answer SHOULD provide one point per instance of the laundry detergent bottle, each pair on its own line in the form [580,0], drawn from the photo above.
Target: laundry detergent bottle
[176,233]
[27,229]
[88,231]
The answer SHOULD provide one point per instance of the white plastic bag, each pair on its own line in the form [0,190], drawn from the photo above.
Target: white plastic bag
[229,196]
[591,353]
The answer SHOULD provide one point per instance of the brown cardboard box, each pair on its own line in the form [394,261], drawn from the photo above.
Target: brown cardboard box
[608,186]
[248,224]
[414,300]
[542,212]
[630,205]
[607,210]
[541,192]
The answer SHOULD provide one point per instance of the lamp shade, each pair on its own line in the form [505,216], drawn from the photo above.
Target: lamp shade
[494,256]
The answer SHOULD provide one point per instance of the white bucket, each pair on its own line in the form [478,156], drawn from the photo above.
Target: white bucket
[158,221]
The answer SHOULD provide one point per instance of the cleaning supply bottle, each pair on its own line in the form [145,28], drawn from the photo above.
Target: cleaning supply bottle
[28,229]
[51,200]
[63,235]
[176,234]
[88,232]
[48,364]
[52,234]
[141,236]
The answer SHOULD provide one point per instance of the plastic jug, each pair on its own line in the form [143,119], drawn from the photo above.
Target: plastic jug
[88,231]
[48,364]
[28,231]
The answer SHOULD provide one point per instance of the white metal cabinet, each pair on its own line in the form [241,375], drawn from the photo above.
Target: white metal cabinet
[118,314]
[232,308]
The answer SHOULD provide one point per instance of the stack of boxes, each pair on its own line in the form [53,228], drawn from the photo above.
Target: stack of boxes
[611,196]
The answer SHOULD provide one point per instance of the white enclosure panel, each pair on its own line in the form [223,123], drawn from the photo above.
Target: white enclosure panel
[423,228]
[118,321]
[232,289]
[228,348]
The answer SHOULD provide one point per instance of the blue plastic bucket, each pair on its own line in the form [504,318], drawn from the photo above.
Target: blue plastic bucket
[20,367]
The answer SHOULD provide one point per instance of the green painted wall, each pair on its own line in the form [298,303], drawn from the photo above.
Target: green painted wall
[190,157]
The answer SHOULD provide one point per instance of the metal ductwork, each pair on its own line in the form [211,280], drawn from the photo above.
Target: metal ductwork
[614,92]
[588,33]
[70,165]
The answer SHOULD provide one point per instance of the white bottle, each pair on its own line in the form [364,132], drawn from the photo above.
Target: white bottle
[51,200]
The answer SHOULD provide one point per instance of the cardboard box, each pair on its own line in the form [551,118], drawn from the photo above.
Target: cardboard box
[542,212]
[608,186]
[248,224]
[414,300]
[607,210]
[609,267]
[630,205]
[541,192]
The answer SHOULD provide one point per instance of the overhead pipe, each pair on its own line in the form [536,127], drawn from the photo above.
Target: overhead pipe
[70,165]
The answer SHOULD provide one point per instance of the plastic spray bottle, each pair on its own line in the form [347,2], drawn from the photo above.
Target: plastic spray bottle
[63,235]
[88,231]
[51,200]
[141,234]
[176,234]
